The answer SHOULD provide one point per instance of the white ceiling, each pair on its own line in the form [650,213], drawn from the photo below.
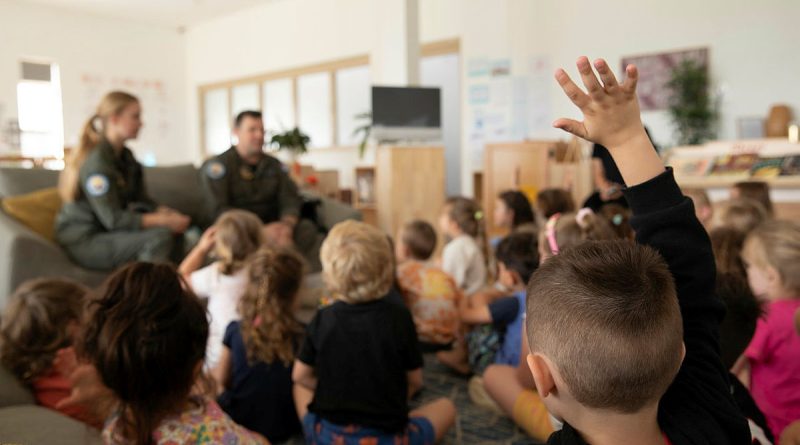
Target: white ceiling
[171,13]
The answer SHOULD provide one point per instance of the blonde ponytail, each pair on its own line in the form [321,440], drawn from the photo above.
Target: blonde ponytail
[112,104]
[239,235]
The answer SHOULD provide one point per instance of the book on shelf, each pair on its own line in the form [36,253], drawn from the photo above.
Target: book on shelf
[767,167]
[791,166]
[734,165]
[690,166]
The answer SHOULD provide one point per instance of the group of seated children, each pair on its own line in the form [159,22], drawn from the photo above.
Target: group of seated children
[572,329]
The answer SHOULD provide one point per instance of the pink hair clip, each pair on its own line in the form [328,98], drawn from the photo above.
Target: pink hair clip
[550,232]
[257,321]
[582,213]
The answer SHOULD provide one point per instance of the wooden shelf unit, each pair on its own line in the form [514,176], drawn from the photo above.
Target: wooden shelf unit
[409,184]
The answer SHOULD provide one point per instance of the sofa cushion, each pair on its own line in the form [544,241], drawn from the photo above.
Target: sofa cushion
[35,424]
[12,391]
[18,181]
[36,210]
[178,187]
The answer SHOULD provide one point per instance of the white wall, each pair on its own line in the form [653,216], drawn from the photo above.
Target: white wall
[106,49]
[753,45]
[271,37]
[295,33]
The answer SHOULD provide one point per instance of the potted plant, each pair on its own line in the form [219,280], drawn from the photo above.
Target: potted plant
[365,130]
[694,112]
[295,142]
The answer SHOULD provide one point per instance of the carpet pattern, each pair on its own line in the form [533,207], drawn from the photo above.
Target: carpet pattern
[474,424]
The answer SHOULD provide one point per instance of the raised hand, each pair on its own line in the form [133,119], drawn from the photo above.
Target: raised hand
[611,118]
[208,239]
[610,109]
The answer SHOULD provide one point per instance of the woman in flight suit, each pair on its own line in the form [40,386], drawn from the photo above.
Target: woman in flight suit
[108,219]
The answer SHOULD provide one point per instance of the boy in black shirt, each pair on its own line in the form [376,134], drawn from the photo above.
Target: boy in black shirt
[619,351]
[360,362]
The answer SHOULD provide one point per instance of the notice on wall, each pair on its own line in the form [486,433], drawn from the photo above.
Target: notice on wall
[506,104]
[152,94]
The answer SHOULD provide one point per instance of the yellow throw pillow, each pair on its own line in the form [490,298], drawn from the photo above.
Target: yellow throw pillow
[36,210]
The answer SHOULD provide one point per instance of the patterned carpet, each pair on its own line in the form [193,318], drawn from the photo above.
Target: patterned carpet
[474,425]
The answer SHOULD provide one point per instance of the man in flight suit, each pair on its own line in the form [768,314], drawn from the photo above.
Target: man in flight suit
[244,177]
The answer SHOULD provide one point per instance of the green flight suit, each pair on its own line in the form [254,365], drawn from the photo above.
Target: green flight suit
[102,228]
[264,189]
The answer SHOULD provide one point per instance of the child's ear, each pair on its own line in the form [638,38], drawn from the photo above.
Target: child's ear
[542,375]
[773,276]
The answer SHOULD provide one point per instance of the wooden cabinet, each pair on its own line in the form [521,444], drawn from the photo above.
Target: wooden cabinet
[514,166]
[409,184]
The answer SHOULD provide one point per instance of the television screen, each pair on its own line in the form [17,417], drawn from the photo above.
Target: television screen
[406,107]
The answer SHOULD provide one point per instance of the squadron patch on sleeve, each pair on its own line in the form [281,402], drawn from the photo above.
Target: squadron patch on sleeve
[97,185]
[215,170]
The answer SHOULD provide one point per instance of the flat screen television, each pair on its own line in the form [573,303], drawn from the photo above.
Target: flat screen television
[406,113]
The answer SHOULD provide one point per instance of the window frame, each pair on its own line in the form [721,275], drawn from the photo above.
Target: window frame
[293,74]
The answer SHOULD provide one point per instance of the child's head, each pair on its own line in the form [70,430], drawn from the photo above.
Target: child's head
[619,219]
[513,210]
[267,307]
[756,190]
[239,234]
[416,240]
[741,214]
[146,336]
[517,258]
[702,205]
[563,231]
[461,216]
[739,324]
[604,328]
[39,319]
[357,262]
[727,244]
[771,255]
[555,200]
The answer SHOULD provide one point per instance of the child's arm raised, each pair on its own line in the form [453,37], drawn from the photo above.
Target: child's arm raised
[611,118]
[665,220]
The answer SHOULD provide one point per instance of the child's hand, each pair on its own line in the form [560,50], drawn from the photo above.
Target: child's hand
[208,239]
[87,386]
[610,110]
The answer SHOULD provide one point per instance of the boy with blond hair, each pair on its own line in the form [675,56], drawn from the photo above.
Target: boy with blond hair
[360,362]
[624,343]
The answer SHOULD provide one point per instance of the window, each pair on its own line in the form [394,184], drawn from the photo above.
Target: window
[40,114]
[244,97]
[278,105]
[354,97]
[314,108]
[322,100]
[216,122]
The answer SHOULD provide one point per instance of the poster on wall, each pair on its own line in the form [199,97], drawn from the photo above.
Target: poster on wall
[655,71]
[504,105]
[152,94]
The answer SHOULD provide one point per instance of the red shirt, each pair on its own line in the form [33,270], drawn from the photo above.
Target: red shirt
[52,387]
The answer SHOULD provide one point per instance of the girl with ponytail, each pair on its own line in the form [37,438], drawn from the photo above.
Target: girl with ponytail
[465,256]
[108,219]
[254,373]
[232,240]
